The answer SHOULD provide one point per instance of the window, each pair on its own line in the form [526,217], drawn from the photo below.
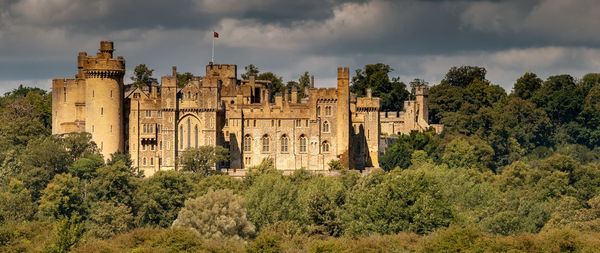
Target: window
[196,136]
[152,147]
[318,111]
[254,123]
[265,144]
[111,93]
[247,143]
[181,137]
[327,110]
[284,143]
[325,147]
[298,123]
[326,127]
[148,113]
[101,110]
[151,161]
[247,160]
[306,123]
[303,144]
[144,161]
[189,132]
[65,94]
[160,145]
[111,128]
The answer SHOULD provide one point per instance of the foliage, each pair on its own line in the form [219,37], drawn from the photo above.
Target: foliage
[62,198]
[142,75]
[272,198]
[391,91]
[203,159]
[108,218]
[160,198]
[17,204]
[218,214]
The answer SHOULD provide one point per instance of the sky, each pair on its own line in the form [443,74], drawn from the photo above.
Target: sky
[40,39]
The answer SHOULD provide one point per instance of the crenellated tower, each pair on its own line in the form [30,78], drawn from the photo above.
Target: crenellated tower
[103,76]
[343,115]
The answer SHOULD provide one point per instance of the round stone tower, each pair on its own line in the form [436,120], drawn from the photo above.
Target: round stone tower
[103,75]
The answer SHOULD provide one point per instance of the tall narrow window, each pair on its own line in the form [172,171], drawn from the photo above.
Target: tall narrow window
[144,160]
[319,111]
[111,93]
[65,94]
[181,137]
[325,147]
[328,111]
[265,144]
[247,143]
[284,143]
[151,161]
[303,144]
[326,127]
[101,110]
[196,136]
[189,133]
[111,128]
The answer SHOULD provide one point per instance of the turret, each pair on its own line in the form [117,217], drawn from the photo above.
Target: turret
[422,113]
[104,98]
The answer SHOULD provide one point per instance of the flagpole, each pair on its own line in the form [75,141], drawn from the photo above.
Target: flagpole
[212,58]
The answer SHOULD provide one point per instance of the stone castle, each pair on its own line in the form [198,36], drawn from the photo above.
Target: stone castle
[156,123]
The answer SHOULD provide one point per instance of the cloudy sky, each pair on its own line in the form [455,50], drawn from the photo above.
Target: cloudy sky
[39,39]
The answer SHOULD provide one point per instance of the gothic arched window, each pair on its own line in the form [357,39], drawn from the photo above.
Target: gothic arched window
[326,127]
[265,143]
[284,144]
[247,143]
[303,143]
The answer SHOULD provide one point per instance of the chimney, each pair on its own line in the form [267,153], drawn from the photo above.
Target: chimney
[174,71]
[369,93]
[312,81]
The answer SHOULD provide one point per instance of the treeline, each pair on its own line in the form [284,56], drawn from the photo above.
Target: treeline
[508,174]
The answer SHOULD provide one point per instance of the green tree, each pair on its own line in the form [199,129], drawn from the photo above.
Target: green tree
[184,78]
[464,152]
[108,218]
[251,70]
[527,85]
[464,75]
[85,167]
[376,77]
[114,183]
[142,75]
[322,199]
[560,98]
[275,82]
[62,198]
[401,200]
[160,197]
[17,205]
[216,215]
[203,159]
[271,198]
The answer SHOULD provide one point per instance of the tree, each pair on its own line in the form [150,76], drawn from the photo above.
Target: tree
[275,83]
[251,70]
[464,152]
[203,159]
[399,153]
[115,184]
[560,98]
[464,75]
[142,75]
[62,198]
[17,204]
[272,198]
[183,79]
[216,215]
[85,167]
[160,197]
[109,218]
[401,200]
[321,199]
[527,85]
[392,92]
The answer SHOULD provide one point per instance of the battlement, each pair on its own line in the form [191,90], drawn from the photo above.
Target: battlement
[343,73]
[322,93]
[222,70]
[103,65]
[422,90]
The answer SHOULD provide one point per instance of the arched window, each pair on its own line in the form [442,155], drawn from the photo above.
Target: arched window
[318,111]
[303,143]
[144,160]
[196,135]
[325,147]
[265,143]
[247,143]
[284,143]
[326,127]
[328,111]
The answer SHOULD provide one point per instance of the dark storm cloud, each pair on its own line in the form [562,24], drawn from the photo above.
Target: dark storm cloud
[39,39]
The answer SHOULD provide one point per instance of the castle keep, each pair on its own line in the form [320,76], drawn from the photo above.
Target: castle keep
[156,123]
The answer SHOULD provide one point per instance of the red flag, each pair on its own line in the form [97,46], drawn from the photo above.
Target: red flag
[215,34]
